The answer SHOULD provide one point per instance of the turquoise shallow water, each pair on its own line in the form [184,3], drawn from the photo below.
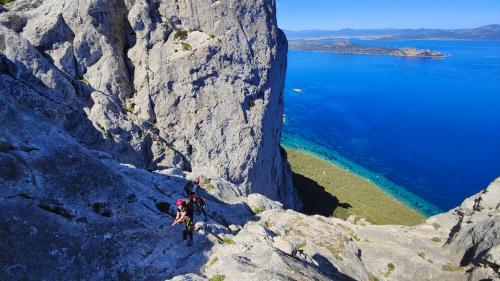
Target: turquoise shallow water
[426,131]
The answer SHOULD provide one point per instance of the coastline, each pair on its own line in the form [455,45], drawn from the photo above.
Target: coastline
[329,190]
[364,54]
[377,181]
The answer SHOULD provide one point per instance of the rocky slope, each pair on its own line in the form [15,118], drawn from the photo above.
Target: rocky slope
[462,244]
[107,108]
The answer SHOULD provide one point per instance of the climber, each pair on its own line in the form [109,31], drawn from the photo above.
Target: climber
[200,204]
[185,215]
[192,186]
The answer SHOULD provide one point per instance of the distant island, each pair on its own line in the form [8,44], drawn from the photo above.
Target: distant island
[487,32]
[346,47]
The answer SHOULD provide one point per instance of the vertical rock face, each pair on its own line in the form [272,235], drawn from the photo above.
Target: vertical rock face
[185,84]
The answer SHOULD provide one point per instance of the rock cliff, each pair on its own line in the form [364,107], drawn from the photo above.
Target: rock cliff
[182,84]
[107,108]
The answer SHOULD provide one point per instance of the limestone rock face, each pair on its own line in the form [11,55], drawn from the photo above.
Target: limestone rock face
[462,244]
[72,213]
[286,245]
[157,84]
[475,238]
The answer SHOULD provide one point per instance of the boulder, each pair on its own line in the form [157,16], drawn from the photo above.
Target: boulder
[259,203]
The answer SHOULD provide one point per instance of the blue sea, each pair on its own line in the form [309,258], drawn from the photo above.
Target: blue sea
[427,131]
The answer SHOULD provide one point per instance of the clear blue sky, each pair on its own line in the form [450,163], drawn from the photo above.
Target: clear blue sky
[336,14]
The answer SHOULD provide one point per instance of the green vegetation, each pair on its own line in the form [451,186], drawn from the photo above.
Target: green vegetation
[212,36]
[82,79]
[257,211]
[328,190]
[270,223]
[390,269]
[212,261]
[451,268]
[3,2]
[129,108]
[228,241]
[372,277]
[422,255]
[436,239]
[436,226]
[302,244]
[207,184]
[151,126]
[186,46]
[103,131]
[217,277]
[209,187]
[181,34]
[195,29]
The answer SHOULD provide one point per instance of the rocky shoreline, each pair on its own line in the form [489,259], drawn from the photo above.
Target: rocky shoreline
[329,190]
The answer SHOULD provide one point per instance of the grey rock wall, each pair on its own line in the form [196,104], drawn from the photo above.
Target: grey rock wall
[158,84]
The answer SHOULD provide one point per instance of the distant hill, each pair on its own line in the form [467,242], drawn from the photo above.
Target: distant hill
[487,32]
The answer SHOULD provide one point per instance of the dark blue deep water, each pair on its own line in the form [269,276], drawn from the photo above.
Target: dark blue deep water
[425,130]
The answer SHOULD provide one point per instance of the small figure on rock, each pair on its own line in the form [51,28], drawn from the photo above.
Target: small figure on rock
[185,214]
[200,203]
[192,186]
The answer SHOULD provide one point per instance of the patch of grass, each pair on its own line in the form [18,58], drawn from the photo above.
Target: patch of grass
[335,246]
[212,261]
[422,255]
[436,226]
[329,190]
[217,277]
[257,211]
[372,277]
[196,29]
[269,223]
[209,187]
[181,34]
[129,108]
[436,239]
[228,241]
[390,269]
[212,36]
[186,46]
[3,2]
[151,126]
[84,81]
[366,240]
[103,131]
[302,244]
[451,268]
